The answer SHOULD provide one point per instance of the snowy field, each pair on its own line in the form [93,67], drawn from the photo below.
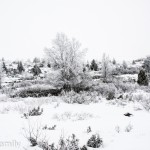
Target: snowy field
[118,132]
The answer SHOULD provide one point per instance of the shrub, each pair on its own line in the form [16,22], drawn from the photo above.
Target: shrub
[72,143]
[82,83]
[142,78]
[23,84]
[46,146]
[83,148]
[95,141]
[107,90]
[27,76]
[128,128]
[142,97]
[111,95]
[49,128]
[33,133]
[125,87]
[80,98]
[36,91]
[89,129]
[146,64]
[34,112]
[72,116]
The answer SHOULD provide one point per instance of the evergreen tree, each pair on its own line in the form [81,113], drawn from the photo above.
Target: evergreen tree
[36,70]
[114,61]
[49,65]
[142,78]
[4,67]
[94,65]
[133,62]
[20,67]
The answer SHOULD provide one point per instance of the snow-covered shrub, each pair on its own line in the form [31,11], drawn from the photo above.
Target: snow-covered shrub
[44,145]
[34,112]
[106,89]
[128,128]
[83,148]
[27,76]
[146,104]
[80,98]
[125,87]
[72,116]
[146,64]
[3,98]
[23,84]
[89,129]
[7,90]
[49,128]
[72,143]
[95,141]
[117,129]
[33,133]
[142,97]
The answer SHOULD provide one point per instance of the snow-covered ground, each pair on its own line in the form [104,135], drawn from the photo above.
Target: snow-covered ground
[128,77]
[106,118]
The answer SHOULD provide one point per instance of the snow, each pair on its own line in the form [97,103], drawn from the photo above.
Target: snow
[104,118]
[128,77]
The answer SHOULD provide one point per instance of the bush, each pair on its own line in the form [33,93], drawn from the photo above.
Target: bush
[34,112]
[27,76]
[72,116]
[83,83]
[80,98]
[69,144]
[72,143]
[142,78]
[125,87]
[46,146]
[23,84]
[95,141]
[128,128]
[105,89]
[142,97]
[36,91]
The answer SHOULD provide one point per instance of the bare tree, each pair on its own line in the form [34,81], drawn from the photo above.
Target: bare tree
[124,64]
[106,68]
[66,56]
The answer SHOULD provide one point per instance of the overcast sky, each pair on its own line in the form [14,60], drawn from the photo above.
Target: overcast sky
[120,28]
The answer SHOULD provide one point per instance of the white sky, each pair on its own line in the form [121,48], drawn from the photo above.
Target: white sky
[120,28]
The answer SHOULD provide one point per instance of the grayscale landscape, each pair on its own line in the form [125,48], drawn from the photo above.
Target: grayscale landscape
[74,75]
